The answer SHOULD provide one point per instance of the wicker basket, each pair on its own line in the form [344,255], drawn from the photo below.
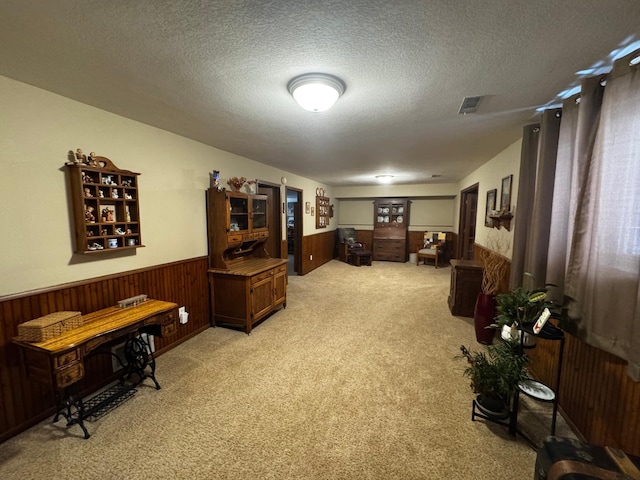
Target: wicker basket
[49,326]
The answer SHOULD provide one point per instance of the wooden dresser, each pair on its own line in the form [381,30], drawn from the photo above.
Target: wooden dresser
[245,283]
[390,226]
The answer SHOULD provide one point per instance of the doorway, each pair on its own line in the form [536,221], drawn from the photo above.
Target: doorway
[468,218]
[273,245]
[294,229]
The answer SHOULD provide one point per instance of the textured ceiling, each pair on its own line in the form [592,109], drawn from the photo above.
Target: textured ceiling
[217,72]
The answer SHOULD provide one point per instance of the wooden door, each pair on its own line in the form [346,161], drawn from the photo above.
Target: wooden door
[273,245]
[294,231]
[467,227]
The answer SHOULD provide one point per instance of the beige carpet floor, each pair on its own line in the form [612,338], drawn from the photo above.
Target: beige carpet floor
[356,379]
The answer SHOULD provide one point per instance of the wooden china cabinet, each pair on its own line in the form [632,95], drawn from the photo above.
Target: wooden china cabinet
[245,283]
[390,226]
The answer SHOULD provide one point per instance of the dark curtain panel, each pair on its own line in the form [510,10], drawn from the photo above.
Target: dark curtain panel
[524,204]
[538,228]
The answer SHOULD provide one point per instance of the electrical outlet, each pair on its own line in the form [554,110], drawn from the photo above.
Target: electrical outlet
[183,315]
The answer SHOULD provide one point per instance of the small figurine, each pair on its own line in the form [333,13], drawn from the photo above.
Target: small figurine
[108,180]
[80,157]
[95,246]
[214,180]
[105,232]
[119,231]
[86,178]
[87,193]
[88,214]
[91,159]
[126,183]
[114,194]
[107,215]
[101,193]
[236,182]
[128,196]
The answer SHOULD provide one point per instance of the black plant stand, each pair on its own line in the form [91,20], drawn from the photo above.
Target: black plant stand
[533,389]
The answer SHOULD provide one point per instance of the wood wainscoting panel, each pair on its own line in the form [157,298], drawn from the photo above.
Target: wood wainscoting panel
[24,403]
[366,237]
[321,246]
[596,393]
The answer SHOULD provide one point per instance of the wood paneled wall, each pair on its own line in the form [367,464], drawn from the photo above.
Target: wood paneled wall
[321,246]
[596,394]
[24,403]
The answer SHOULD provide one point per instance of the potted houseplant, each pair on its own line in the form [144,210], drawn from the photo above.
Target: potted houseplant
[495,375]
[520,309]
[494,266]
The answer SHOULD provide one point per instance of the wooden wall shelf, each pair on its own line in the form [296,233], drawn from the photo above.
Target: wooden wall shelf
[106,213]
[502,221]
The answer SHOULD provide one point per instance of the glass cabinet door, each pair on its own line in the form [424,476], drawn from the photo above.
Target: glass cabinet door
[396,214]
[259,213]
[383,213]
[238,214]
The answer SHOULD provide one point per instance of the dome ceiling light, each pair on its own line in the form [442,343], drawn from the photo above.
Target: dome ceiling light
[316,92]
[384,178]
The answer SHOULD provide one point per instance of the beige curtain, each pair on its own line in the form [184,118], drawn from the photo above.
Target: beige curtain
[578,211]
[580,119]
[603,269]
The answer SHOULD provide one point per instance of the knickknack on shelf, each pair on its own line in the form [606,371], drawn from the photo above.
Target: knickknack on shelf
[106,214]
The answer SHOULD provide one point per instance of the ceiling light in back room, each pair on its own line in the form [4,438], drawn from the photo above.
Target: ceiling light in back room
[316,92]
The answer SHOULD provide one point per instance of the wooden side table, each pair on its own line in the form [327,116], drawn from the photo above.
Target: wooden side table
[466,280]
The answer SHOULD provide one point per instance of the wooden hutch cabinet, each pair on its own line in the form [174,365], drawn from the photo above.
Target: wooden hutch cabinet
[245,283]
[390,226]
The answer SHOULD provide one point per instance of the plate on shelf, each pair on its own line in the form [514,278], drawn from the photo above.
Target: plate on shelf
[536,389]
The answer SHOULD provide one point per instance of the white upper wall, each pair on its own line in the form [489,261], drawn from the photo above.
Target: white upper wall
[488,177]
[40,128]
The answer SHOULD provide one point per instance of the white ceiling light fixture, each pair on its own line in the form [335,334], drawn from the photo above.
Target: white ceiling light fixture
[316,92]
[384,178]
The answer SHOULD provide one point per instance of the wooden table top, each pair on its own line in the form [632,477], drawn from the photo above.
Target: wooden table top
[99,323]
[250,267]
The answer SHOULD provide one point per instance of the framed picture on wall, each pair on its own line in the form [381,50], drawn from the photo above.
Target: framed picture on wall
[505,195]
[491,205]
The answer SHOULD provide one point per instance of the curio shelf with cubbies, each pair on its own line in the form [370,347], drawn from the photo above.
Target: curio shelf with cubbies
[106,212]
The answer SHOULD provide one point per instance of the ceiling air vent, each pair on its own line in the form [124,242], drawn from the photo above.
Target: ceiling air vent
[469,105]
